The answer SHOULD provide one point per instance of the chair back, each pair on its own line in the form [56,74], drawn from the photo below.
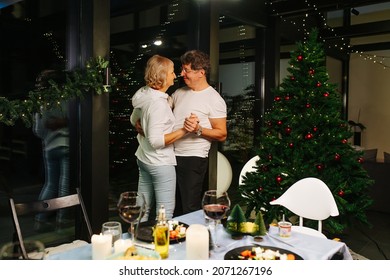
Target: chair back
[309,198]
[248,167]
[42,206]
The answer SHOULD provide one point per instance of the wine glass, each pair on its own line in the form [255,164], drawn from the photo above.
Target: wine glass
[114,228]
[131,207]
[215,206]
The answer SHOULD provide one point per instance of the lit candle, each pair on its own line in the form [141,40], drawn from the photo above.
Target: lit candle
[101,246]
[197,242]
[121,245]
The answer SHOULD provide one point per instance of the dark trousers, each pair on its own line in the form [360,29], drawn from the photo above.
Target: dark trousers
[190,177]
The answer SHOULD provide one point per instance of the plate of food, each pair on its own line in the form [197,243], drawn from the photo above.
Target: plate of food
[261,253]
[177,231]
[136,253]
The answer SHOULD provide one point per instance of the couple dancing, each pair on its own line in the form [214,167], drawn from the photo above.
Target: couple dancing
[175,132]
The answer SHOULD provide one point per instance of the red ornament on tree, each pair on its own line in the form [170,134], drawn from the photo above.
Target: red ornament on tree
[292,78]
[315,129]
[360,160]
[260,189]
[311,72]
[337,157]
[341,193]
[318,84]
[308,136]
[279,179]
[287,97]
[326,94]
[288,130]
[344,141]
[299,57]
[320,167]
[277,98]
[279,122]
[308,105]
[291,145]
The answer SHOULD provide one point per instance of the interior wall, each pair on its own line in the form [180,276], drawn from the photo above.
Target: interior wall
[369,93]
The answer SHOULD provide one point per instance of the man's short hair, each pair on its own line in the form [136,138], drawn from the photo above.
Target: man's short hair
[198,60]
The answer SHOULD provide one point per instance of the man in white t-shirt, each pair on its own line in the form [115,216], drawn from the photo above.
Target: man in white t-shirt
[207,118]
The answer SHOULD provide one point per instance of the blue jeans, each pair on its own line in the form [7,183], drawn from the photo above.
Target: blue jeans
[56,163]
[157,183]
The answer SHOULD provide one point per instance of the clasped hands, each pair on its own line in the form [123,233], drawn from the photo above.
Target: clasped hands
[191,124]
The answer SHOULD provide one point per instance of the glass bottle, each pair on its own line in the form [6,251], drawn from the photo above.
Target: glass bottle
[161,234]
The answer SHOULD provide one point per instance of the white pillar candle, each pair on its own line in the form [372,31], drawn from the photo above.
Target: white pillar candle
[197,242]
[101,246]
[121,245]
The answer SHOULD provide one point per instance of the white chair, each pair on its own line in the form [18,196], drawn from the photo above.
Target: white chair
[248,167]
[309,198]
[224,173]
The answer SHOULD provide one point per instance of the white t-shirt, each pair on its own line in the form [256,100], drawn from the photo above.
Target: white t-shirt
[206,104]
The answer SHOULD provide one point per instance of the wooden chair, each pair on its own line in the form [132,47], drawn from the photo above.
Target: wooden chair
[44,206]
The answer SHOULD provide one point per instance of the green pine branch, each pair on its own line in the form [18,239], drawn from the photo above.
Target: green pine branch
[79,83]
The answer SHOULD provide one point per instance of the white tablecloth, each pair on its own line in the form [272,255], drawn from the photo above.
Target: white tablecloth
[306,246]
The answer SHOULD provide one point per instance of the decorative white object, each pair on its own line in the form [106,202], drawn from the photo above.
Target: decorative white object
[224,173]
[121,245]
[101,246]
[250,166]
[197,242]
[309,198]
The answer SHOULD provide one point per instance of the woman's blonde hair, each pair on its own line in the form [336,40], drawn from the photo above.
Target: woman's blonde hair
[156,71]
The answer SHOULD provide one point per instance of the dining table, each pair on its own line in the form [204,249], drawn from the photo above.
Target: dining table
[305,246]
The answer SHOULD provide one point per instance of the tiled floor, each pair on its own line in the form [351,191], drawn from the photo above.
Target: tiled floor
[372,243]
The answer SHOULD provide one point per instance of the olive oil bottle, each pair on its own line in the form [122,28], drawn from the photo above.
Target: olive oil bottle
[161,234]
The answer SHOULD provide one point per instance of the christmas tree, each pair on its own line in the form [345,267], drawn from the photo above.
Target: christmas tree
[238,225]
[304,136]
[235,219]
[259,221]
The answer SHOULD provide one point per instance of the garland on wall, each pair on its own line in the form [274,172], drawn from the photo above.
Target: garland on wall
[78,84]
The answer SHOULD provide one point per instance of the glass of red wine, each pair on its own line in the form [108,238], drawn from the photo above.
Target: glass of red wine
[131,207]
[215,206]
